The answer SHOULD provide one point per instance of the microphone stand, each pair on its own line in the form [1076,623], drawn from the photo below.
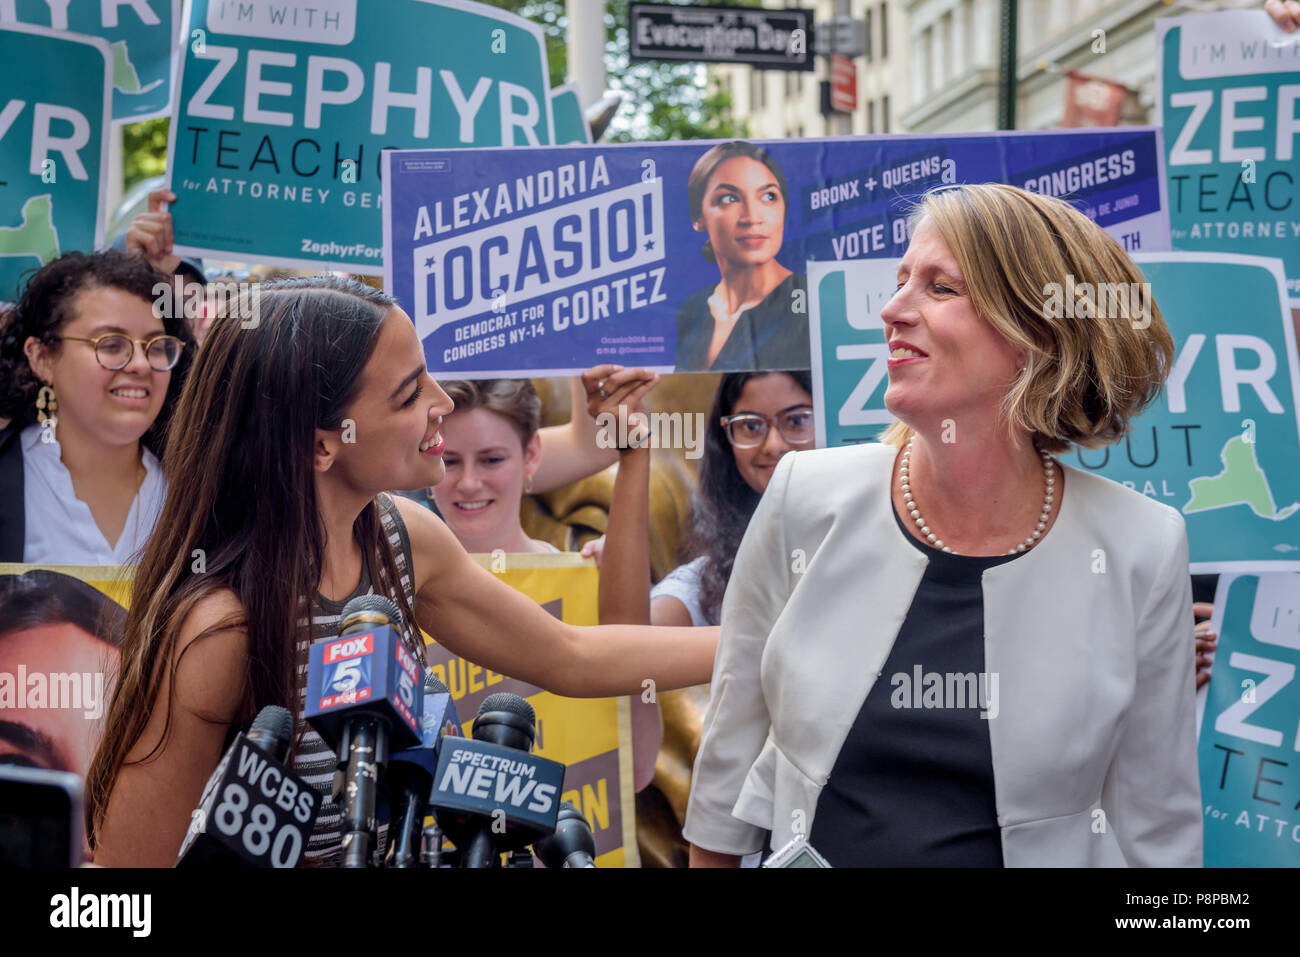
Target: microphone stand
[367,749]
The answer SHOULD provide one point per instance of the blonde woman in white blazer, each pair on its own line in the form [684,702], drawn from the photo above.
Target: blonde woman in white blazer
[948,649]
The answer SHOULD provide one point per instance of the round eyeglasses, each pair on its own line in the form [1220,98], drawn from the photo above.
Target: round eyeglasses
[114,350]
[748,429]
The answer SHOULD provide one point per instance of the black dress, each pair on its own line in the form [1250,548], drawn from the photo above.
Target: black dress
[913,783]
[770,335]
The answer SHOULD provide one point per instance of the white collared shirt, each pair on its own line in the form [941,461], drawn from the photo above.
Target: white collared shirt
[60,529]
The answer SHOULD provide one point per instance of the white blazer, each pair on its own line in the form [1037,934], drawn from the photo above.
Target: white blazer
[1090,633]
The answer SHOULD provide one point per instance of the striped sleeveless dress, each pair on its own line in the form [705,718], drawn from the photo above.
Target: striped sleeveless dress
[315,761]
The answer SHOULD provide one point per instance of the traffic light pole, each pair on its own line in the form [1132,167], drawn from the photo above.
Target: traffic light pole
[1007,66]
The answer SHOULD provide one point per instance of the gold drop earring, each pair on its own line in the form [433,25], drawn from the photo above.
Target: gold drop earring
[47,412]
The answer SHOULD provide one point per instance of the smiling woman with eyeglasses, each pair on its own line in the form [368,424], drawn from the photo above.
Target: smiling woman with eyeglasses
[88,377]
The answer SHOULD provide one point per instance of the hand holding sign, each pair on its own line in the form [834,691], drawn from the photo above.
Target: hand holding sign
[150,234]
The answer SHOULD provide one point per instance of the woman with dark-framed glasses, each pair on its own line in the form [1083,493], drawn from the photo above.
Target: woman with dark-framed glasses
[88,377]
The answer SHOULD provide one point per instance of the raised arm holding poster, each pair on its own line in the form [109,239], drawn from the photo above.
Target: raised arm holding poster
[691,257]
[55,112]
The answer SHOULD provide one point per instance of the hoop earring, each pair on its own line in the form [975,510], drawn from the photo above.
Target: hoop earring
[47,405]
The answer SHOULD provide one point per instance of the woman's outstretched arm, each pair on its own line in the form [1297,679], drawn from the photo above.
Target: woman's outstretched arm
[475,615]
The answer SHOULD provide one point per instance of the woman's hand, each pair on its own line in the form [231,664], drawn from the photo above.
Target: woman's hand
[1285,13]
[594,549]
[150,234]
[620,393]
[572,451]
[1206,642]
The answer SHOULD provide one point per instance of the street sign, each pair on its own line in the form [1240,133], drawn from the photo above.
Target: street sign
[840,34]
[844,84]
[751,36]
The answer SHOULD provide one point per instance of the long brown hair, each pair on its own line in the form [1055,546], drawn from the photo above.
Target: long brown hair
[241,510]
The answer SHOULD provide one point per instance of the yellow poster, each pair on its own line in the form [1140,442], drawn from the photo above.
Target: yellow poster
[592,737]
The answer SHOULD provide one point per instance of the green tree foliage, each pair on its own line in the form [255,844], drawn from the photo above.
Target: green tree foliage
[661,101]
[144,149]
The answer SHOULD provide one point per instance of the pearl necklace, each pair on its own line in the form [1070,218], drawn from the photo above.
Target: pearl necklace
[1048,472]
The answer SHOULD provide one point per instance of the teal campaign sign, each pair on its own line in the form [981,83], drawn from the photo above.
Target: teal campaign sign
[570,125]
[284,109]
[847,345]
[1247,750]
[54,119]
[141,35]
[1221,444]
[1229,98]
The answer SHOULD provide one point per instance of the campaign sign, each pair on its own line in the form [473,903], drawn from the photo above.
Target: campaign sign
[141,35]
[274,148]
[54,120]
[1221,444]
[1228,94]
[570,125]
[548,261]
[1247,751]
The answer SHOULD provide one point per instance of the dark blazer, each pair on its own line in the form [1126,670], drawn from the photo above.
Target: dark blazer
[13,518]
[769,336]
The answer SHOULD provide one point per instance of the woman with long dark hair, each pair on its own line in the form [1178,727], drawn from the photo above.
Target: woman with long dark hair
[294,422]
[89,376]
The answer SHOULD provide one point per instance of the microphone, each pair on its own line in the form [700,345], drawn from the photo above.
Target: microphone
[254,811]
[490,794]
[361,699]
[410,775]
[572,844]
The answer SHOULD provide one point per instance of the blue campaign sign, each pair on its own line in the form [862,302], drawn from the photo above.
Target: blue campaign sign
[1221,444]
[274,149]
[140,33]
[693,256]
[1228,99]
[55,112]
[1250,772]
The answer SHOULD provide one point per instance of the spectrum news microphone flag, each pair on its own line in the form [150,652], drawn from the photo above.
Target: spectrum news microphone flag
[491,794]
